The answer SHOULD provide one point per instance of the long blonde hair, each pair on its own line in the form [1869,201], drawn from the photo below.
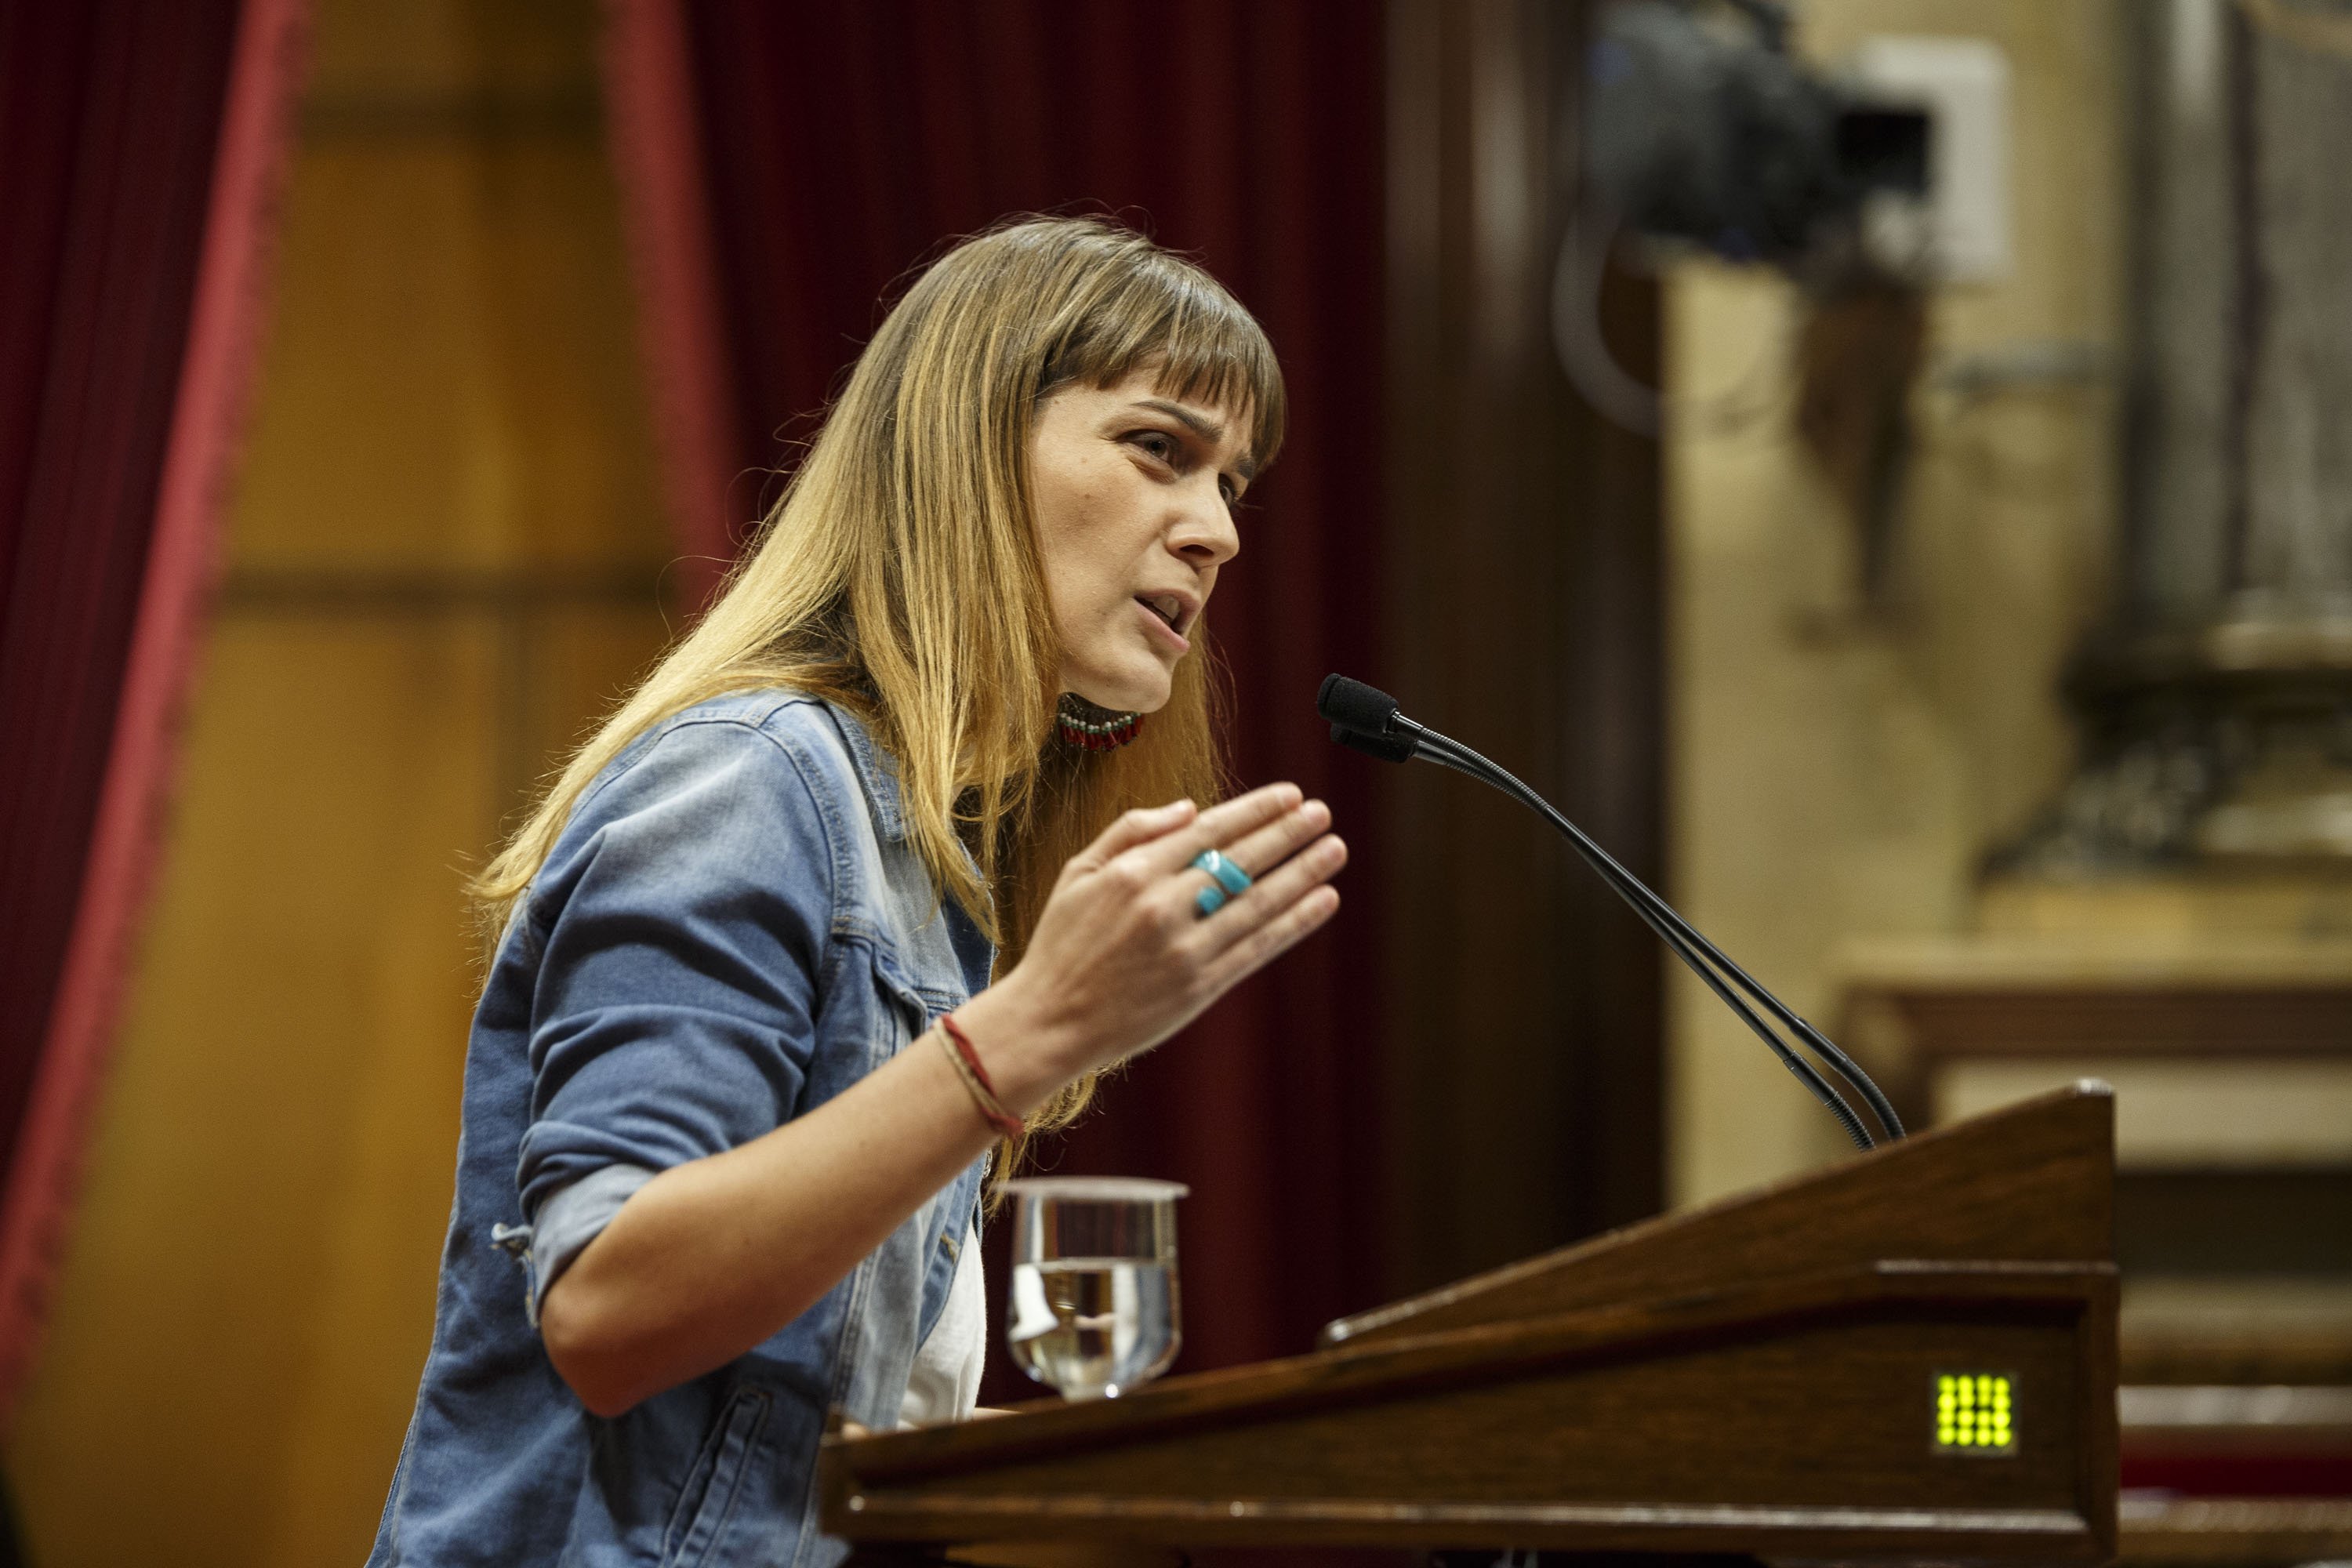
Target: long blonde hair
[899,574]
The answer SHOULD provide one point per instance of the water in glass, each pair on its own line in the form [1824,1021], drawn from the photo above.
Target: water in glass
[1092,1326]
[1094,1310]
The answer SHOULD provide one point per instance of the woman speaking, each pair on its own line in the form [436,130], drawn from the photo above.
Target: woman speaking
[739,1065]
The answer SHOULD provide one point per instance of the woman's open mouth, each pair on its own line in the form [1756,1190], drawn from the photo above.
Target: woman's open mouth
[1165,612]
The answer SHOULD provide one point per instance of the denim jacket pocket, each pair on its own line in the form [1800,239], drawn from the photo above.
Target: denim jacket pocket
[708,1499]
[911,1005]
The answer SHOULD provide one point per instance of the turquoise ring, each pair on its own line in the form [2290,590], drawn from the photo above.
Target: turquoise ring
[1229,878]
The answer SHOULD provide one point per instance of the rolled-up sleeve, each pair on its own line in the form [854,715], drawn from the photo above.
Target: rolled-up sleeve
[682,923]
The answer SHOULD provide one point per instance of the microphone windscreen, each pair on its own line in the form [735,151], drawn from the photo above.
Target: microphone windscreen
[1388,748]
[1352,705]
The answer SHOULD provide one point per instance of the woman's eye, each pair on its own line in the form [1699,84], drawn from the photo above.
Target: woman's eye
[1160,446]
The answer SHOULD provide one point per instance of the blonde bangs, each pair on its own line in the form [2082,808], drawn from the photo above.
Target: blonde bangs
[1203,346]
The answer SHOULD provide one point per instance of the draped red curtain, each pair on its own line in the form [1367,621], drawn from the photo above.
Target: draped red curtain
[786,165]
[137,144]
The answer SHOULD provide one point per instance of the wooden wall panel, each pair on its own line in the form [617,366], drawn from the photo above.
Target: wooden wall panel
[249,1292]
[445,556]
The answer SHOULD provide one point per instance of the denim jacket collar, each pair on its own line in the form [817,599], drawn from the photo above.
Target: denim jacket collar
[878,771]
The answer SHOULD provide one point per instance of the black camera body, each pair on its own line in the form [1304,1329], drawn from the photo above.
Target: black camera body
[1718,137]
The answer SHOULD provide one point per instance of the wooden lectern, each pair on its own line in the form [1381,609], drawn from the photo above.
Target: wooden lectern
[1910,1356]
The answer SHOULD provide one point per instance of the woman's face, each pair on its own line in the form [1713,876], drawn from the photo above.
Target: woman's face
[1134,492]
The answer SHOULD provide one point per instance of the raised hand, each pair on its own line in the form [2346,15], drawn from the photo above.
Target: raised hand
[1122,956]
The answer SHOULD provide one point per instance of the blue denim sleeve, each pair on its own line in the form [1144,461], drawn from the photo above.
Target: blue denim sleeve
[682,925]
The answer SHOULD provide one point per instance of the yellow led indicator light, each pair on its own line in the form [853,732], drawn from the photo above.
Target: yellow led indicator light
[1972,1412]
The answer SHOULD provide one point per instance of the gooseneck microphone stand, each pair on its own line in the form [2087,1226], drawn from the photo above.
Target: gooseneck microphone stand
[1366,719]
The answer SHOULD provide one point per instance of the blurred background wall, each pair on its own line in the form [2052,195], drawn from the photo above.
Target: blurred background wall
[1843,765]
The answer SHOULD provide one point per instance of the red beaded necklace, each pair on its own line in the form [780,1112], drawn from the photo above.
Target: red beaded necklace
[1092,728]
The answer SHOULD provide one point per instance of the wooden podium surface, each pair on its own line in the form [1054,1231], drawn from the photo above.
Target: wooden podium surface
[1760,1376]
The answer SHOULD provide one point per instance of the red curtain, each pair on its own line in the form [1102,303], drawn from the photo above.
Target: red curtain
[787,164]
[136,145]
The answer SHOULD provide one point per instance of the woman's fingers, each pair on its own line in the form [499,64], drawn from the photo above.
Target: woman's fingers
[1216,828]
[1274,895]
[1259,852]
[1139,826]
[1260,945]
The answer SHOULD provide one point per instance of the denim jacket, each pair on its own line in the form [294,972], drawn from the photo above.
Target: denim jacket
[731,930]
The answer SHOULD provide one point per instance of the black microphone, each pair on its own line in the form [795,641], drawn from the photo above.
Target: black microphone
[1381,746]
[1360,716]
[1354,706]
[1366,719]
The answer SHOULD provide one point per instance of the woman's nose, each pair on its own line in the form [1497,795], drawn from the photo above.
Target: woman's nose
[1205,535]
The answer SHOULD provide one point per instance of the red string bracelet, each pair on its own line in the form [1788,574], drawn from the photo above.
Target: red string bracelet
[975,1077]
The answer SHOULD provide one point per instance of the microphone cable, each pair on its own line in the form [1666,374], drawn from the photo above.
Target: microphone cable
[1702,956]
[1704,959]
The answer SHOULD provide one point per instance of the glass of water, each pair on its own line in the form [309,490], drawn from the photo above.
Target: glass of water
[1094,1282]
